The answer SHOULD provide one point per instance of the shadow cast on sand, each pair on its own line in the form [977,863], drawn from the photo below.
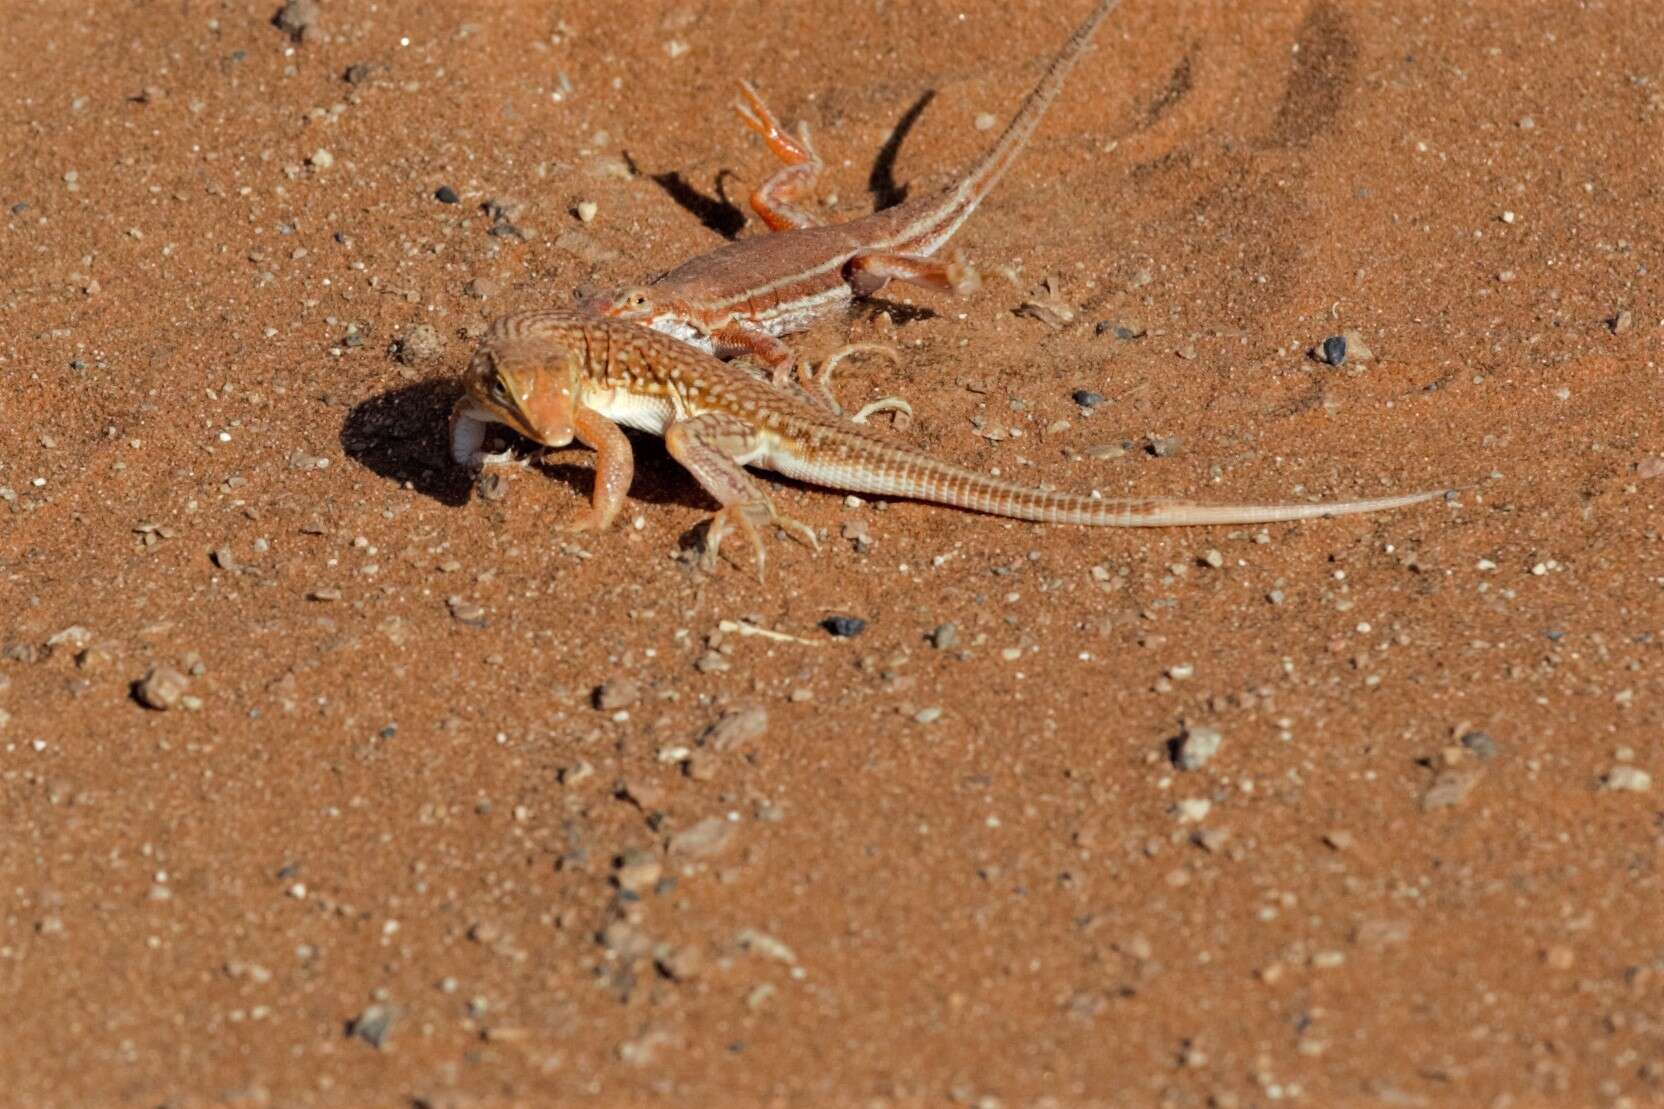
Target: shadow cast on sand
[403,435]
[716,212]
[881,182]
[723,216]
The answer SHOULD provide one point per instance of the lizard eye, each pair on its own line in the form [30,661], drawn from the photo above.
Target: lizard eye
[499,394]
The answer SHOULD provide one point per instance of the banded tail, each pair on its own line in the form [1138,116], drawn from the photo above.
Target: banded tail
[852,462]
[954,207]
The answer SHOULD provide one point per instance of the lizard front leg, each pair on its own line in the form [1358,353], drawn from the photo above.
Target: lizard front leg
[713,448]
[614,468]
[738,337]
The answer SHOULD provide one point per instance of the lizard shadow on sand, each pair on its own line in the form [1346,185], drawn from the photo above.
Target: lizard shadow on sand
[402,434]
[881,182]
[900,313]
[721,215]
[716,212]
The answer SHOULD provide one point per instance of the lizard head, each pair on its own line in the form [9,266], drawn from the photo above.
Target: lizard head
[633,303]
[530,384]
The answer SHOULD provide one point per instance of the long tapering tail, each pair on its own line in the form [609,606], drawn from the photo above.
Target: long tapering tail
[960,201]
[858,464]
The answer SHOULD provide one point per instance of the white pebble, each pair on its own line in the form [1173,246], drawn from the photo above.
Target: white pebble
[1194,810]
[1628,779]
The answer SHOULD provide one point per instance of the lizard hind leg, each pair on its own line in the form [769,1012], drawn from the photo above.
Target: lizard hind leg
[868,273]
[711,447]
[778,201]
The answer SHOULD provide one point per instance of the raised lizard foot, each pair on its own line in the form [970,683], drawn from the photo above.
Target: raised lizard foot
[820,384]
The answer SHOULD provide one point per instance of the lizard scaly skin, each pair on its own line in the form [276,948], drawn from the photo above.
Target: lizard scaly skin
[559,376]
[739,298]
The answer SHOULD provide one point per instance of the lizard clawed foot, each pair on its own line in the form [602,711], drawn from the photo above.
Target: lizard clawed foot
[589,520]
[746,517]
[754,113]
[734,517]
[791,149]
[962,276]
[884,404]
[820,384]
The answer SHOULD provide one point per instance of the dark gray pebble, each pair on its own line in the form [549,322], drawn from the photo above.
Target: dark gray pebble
[844,626]
[1086,398]
[446,195]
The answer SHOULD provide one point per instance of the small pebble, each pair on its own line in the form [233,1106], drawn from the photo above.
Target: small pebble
[505,209]
[1480,744]
[420,344]
[161,688]
[742,726]
[446,195]
[1334,350]
[587,210]
[944,636]
[706,839]
[1086,398]
[641,793]
[844,627]
[1164,446]
[681,964]
[1193,810]
[1196,747]
[616,693]
[466,612]
[298,19]
[1212,840]
[322,159]
[1356,349]
[1630,779]
[638,871]
[1450,789]
[74,638]
[374,1025]
[1559,957]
